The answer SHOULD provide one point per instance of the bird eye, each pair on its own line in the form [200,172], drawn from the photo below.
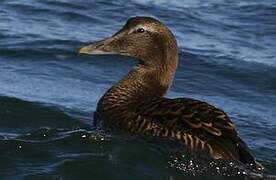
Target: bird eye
[140,30]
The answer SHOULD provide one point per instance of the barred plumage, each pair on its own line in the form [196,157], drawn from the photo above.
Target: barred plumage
[136,103]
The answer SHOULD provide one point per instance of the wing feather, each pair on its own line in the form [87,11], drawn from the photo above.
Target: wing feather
[198,124]
[188,115]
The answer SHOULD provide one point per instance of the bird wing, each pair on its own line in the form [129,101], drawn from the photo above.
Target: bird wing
[189,115]
[198,124]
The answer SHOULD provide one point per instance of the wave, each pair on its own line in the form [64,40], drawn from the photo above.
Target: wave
[16,113]
[59,150]
[40,49]
[203,4]
[228,71]
[199,27]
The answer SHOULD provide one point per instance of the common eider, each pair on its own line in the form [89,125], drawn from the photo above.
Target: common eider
[136,104]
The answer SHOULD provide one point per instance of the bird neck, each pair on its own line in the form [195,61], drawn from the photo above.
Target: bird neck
[144,82]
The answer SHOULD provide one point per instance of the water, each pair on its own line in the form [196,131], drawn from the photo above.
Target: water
[48,93]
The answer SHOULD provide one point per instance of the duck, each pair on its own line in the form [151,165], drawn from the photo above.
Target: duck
[137,103]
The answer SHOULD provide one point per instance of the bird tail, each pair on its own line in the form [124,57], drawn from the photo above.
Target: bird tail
[235,150]
[246,157]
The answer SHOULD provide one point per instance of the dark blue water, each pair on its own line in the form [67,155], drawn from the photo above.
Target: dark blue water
[48,93]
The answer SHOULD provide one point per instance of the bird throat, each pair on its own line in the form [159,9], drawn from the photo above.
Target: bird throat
[143,83]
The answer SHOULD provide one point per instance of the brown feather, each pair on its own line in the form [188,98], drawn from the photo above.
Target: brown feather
[136,103]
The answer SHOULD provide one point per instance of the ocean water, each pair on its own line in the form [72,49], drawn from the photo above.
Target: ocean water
[48,92]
